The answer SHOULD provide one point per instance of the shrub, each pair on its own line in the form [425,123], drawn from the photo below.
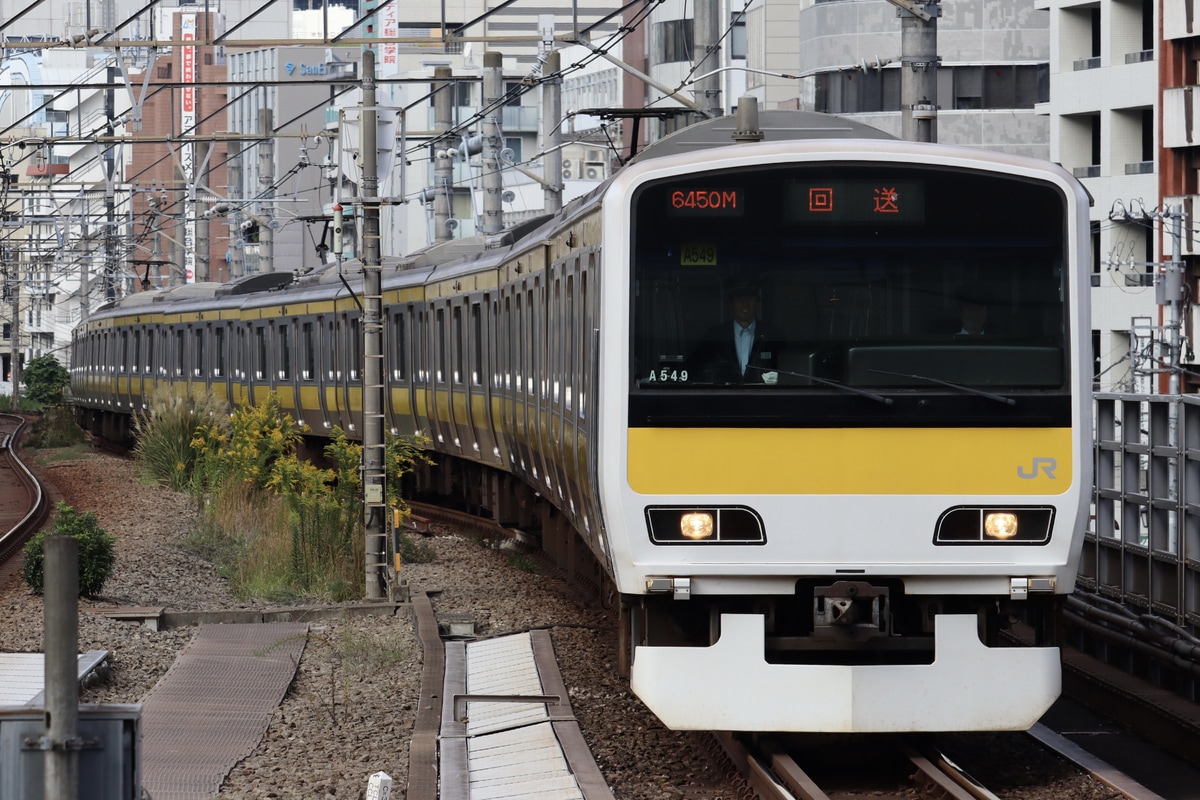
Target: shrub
[96,556]
[45,379]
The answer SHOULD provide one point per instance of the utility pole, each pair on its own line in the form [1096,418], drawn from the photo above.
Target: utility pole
[1173,296]
[708,57]
[266,179]
[918,68]
[374,463]
[443,162]
[552,133]
[493,182]
[110,205]
[15,291]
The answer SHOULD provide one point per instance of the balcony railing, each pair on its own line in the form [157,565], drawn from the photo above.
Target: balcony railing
[1087,63]
[1092,171]
[1139,57]
[1139,168]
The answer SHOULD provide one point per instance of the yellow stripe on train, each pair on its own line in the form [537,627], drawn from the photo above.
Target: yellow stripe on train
[962,461]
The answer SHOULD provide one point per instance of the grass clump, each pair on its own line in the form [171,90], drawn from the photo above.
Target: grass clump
[165,430]
[279,528]
[55,428]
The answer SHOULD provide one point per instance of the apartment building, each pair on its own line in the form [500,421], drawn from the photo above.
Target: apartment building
[1104,114]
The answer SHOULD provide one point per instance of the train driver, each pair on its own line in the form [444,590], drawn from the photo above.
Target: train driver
[741,349]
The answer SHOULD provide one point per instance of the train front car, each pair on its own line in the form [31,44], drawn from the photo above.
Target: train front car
[828,530]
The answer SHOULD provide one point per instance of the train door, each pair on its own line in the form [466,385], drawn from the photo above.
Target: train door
[283,374]
[307,376]
[480,347]
[194,373]
[219,372]
[420,370]
[440,411]
[522,383]
[556,323]
[504,384]
[463,416]
[122,362]
[539,380]
[260,364]
[400,395]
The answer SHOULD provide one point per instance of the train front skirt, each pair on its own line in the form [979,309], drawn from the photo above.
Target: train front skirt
[967,687]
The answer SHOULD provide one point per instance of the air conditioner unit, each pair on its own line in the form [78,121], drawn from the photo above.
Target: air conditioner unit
[593,173]
[567,172]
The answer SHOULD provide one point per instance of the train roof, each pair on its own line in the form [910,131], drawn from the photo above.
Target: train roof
[774,126]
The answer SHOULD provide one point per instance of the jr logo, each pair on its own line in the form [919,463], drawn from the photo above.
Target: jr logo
[1046,465]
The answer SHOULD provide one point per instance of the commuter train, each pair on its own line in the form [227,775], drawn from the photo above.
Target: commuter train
[833,539]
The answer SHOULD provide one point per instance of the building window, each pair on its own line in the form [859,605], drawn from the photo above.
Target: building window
[737,36]
[969,87]
[673,41]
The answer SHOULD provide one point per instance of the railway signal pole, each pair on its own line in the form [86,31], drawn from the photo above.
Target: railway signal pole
[373,452]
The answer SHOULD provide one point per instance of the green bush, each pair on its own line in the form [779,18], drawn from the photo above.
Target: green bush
[96,557]
[45,379]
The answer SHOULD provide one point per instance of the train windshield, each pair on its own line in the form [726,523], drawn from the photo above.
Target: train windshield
[831,278]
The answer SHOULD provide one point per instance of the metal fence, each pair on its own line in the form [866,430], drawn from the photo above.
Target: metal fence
[1142,547]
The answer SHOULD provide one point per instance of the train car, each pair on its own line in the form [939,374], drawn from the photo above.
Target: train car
[829,529]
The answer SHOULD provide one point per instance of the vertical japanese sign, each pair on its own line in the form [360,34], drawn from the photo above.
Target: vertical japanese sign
[187,156]
[389,28]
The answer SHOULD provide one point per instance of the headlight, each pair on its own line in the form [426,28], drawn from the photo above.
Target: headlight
[704,525]
[696,525]
[999,525]
[995,525]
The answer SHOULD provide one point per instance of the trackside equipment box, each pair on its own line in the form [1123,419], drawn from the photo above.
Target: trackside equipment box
[109,755]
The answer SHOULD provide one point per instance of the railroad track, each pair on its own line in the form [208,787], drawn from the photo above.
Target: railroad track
[821,768]
[23,504]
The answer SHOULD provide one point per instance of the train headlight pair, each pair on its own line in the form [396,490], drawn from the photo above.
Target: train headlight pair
[704,525]
[995,525]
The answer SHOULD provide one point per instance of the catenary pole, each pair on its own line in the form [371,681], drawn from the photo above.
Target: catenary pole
[374,518]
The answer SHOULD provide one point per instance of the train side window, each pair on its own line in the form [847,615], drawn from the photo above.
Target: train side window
[123,362]
[151,335]
[400,344]
[518,359]
[198,352]
[569,343]
[285,351]
[355,350]
[180,343]
[239,353]
[585,340]
[508,344]
[136,364]
[476,345]
[554,326]
[458,345]
[309,352]
[331,347]
[218,354]
[420,338]
[439,365]
[533,352]
[260,353]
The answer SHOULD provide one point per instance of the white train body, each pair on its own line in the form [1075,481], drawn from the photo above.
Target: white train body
[849,490]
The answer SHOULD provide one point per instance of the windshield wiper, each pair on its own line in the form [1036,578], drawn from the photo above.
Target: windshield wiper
[999,398]
[887,401]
